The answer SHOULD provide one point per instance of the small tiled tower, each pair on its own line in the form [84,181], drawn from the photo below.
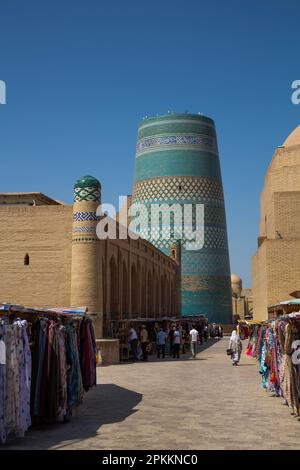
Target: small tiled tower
[85,270]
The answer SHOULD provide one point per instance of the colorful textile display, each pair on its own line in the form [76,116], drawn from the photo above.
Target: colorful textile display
[275,346]
[15,379]
[64,366]
[243,331]
[87,353]
[44,383]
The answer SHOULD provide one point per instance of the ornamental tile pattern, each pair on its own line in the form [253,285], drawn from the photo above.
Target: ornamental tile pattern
[84,229]
[176,128]
[205,283]
[86,194]
[211,263]
[180,140]
[85,239]
[178,188]
[214,237]
[212,215]
[83,216]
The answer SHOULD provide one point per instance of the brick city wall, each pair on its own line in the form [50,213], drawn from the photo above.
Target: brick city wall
[275,266]
[283,265]
[259,283]
[286,214]
[133,277]
[283,174]
[44,233]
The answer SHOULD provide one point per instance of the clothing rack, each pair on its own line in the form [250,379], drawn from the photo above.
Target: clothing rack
[57,353]
[273,343]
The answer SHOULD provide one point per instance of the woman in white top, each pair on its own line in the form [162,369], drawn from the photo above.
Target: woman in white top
[194,335]
[235,344]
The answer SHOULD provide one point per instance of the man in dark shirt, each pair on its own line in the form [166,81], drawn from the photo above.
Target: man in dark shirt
[171,339]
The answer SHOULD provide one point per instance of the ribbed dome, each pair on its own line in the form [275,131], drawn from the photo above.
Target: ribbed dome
[87,182]
[236,285]
[293,138]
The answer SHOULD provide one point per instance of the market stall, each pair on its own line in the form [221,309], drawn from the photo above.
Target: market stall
[119,329]
[283,308]
[275,345]
[245,328]
[47,362]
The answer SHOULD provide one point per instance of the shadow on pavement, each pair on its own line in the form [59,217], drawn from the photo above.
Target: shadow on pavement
[105,404]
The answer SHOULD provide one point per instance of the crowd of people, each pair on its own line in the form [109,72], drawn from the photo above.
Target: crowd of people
[177,338]
[173,340]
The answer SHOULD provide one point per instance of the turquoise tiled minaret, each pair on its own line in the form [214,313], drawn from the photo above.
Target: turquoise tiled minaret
[177,161]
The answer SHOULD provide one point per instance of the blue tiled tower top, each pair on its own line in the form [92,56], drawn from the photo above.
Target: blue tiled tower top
[185,116]
[176,123]
[177,145]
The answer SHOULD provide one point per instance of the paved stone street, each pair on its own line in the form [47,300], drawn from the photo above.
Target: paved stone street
[187,404]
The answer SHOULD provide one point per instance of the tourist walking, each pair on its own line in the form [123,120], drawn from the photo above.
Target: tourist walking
[194,337]
[176,343]
[144,342]
[235,346]
[161,343]
[133,341]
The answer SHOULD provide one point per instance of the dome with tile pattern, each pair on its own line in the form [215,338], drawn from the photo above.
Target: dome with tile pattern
[87,188]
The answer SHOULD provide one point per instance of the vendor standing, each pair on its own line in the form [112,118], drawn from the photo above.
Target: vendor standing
[133,341]
[144,337]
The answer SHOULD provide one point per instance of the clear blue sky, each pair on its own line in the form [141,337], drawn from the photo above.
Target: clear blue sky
[80,76]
